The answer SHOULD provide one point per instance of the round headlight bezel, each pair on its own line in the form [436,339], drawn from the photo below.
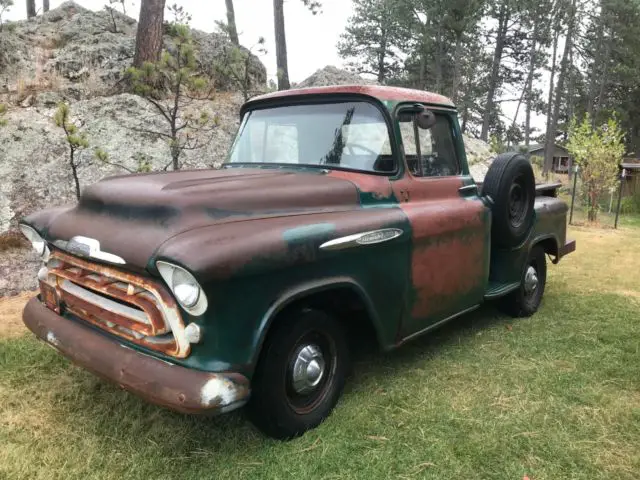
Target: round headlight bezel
[177,278]
[38,243]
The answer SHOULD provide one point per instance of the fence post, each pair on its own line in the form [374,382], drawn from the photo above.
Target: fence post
[573,194]
[622,177]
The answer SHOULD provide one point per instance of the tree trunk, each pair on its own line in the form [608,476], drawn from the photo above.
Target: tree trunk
[31,8]
[422,74]
[149,38]
[231,23]
[382,55]
[604,79]
[74,172]
[571,91]
[526,93]
[529,86]
[593,74]
[45,6]
[557,100]
[465,119]
[457,60]
[281,46]
[503,26]
[439,61]
[552,80]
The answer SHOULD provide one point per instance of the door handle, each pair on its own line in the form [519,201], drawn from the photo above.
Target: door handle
[469,190]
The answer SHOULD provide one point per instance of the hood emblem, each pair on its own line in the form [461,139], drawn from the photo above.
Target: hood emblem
[362,239]
[88,248]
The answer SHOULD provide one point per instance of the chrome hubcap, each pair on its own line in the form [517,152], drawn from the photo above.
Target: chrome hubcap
[308,369]
[530,281]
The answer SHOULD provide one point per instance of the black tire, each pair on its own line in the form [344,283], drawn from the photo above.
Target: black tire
[511,185]
[524,301]
[277,407]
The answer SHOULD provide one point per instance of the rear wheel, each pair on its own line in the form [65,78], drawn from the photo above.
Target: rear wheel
[526,300]
[300,375]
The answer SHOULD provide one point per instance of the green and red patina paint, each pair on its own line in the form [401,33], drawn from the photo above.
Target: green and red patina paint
[253,238]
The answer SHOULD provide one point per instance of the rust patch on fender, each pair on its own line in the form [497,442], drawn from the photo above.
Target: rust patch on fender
[380,187]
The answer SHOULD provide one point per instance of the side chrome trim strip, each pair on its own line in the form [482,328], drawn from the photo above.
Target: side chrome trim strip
[362,239]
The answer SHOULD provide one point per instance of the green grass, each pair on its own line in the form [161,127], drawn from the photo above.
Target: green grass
[553,397]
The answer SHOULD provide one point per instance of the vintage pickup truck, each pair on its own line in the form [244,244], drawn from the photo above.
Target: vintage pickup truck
[340,212]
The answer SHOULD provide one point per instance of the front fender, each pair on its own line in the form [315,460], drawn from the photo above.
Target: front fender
[252,247]
[307,289]
[251,270]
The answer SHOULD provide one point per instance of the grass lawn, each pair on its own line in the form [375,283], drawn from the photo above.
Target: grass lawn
[553,397]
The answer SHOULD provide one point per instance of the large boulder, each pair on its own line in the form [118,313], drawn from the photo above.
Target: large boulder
[34,168]
[479,157]
[84,53]
[331,75]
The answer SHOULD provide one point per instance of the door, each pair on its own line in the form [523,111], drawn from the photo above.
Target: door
[450,225]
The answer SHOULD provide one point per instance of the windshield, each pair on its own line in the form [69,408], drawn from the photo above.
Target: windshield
[351,135]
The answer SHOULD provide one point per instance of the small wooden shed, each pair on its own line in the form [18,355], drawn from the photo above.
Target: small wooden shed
[631,169]
[562,160]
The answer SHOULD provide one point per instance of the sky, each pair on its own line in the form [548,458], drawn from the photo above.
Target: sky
[311,39]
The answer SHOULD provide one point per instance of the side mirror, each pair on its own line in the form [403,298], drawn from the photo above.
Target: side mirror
[426,120]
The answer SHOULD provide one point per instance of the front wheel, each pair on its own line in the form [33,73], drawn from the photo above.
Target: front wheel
[526,300]
[300,375]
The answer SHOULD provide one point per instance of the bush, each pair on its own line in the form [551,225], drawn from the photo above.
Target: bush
[3,111]
[537,160]
[630,205]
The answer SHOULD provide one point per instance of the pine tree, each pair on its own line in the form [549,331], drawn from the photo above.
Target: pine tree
[231,23]
[281,40]
[149,37]
[552,120]
[172,86]
[375,38]
[5,5]
[31,8]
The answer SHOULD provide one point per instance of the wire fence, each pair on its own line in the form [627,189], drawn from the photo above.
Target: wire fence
[619,205]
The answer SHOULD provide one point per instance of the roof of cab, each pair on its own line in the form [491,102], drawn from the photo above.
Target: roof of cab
[394,94]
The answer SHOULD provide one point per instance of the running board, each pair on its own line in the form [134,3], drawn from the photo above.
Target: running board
[498,290]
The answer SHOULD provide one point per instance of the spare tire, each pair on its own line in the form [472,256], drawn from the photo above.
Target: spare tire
[511,185]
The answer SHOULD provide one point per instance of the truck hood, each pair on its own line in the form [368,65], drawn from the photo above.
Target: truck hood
[132,216]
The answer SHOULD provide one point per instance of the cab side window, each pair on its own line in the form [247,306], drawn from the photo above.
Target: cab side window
[429,152]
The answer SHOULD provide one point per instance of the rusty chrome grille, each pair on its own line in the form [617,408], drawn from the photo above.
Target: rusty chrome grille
[130,306]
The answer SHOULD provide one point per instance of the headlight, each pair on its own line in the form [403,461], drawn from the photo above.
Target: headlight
[37,242]
[185,287]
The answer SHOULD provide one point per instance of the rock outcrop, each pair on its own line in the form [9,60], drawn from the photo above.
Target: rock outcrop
[80,53]
[331,75]
[34,170]
[78,56]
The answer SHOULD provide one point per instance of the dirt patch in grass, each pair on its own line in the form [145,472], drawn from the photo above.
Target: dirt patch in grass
[11,315]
